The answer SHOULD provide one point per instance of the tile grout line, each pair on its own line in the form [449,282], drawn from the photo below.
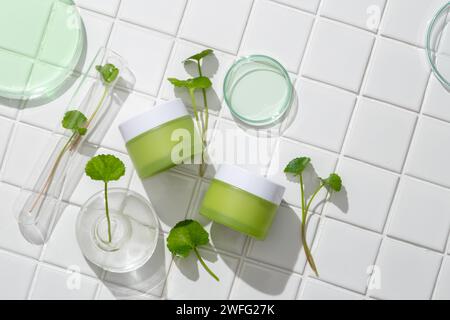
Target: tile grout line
[300,70]
[40,261]
[16,120]
[247,242]
[384,235]
[359,95]
[158,97]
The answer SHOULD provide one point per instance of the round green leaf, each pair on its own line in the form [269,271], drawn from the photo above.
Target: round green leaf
[199,56]
[297,166]
[186,236]
[334,182]
[105,168]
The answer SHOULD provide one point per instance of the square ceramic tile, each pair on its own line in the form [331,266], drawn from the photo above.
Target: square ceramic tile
[220,236]
[405,272]
[317,290]
[245,147]
[99,27]
[411,27]
[5,133]
[361,13]
[428,158]
[164,15]
[380,134]
[15,287]
[308,5]
[146,52]
[85,187]
[442,291]
[344,65]
[344,254]
[283,246]
[408,221]
[325,105]
[275,38]
[170,194]
[323,164]
[224,20]
[20,160]
[59,284]
[9,108]
[63,250]
[149,279]
[398,74]
[366,195]
[107,7]
[256,282]
[11,238]
[437,98]
[214,66]
[134,105]
[188,280]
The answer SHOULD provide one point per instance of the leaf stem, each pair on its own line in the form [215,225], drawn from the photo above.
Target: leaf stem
[206,123]
[107,212]
[199,257]
[305,210]
[52,173]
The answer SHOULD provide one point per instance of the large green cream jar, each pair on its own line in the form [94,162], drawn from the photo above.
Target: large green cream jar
[242,201]
[161,138]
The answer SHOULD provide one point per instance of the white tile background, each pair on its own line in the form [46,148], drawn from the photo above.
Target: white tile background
[369,109]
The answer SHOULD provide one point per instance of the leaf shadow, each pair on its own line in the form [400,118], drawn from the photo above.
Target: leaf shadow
[311,182]
[340,200]
[210,65]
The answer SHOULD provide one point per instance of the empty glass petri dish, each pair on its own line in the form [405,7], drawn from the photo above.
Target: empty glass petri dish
[41,43]
[258,90]
[438,45]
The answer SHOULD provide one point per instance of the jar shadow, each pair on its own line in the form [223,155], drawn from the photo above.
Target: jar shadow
[281,248]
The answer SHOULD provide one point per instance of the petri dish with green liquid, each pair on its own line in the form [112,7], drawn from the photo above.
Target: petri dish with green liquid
[41,43]
[258,90]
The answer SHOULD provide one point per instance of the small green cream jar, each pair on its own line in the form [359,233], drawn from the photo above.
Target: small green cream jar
[242,201]
[161,138]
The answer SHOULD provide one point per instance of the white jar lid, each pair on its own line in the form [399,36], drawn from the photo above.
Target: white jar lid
[160,114]
[251,182]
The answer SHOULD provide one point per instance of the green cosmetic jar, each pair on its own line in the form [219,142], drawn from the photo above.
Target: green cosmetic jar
[161,138]
[242,201]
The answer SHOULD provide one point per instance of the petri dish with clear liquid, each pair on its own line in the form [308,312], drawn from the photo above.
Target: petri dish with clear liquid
[41,43]
[438,45]
[258,90]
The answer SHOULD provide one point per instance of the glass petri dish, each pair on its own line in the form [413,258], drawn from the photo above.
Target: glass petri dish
[258,90]
[41,43]
[134,231]
[438,45]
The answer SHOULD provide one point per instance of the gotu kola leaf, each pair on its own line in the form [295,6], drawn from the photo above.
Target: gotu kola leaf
[105,168]
[185,237]
[297,166]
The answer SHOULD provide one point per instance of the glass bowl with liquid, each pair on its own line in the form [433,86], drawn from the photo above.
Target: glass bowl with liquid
[438,45]
[133,234]
[258,90]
